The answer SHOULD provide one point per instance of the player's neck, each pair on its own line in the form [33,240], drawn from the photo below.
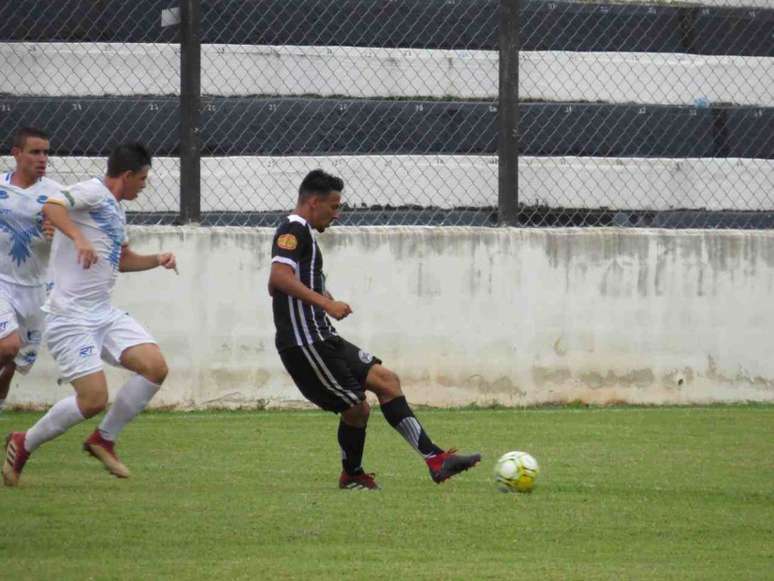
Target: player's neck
[20,180]
[115,187]
[304,212]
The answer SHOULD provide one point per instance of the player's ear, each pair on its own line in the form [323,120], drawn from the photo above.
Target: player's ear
[15,151]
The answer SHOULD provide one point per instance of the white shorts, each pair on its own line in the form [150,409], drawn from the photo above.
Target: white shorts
[79,347]
[20,312]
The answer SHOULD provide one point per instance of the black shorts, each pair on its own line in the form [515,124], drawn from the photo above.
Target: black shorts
[331,374]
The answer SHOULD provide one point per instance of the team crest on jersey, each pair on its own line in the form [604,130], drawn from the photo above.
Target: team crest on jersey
[3,194]
[42,199]
[365,356]
[287,242]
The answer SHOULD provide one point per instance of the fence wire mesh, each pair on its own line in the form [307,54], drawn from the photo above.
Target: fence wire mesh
[631,114]
[92,75]
[647,115]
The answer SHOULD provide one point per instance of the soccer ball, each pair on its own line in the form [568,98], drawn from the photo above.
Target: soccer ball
[516,472]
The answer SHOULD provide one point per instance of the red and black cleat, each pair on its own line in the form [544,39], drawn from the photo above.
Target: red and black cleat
[362,481]
[447,464]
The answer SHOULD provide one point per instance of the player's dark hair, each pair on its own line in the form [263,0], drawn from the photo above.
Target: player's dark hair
[127,157]
[22,134]
[319,183]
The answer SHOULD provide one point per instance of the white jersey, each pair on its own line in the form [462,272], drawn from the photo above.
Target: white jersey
[23,247]
[78,292]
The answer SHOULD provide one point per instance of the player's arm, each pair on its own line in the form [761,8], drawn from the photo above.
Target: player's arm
[283,278]
[59,217]
[130,261]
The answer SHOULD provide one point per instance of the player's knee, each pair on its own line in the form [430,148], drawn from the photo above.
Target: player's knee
[92,404]
[392,384]
[155,370]
[9,348]
[358,414]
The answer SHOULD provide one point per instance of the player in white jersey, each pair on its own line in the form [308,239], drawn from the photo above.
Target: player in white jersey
[24,247]
[83,328]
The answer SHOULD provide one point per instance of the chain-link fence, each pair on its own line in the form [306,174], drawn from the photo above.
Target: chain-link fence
[629,114]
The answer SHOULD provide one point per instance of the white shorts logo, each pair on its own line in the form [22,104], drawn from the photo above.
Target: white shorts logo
[365,356]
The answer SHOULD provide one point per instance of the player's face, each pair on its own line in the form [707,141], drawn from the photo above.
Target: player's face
[326,210]
[134,183]
[32,159]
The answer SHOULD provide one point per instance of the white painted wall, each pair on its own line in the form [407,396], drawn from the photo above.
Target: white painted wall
[73,69]
[470,315]
[271,183]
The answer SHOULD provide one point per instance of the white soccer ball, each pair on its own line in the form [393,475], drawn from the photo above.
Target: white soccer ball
[516,472]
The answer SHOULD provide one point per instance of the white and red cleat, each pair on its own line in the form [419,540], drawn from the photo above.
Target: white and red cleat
[104,451]
[16,457]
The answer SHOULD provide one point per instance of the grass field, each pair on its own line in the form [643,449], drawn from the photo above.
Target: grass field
[624,493]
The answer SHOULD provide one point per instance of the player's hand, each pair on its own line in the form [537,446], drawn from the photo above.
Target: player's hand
[86,253]
[168,260]
[338,309]
[48,229]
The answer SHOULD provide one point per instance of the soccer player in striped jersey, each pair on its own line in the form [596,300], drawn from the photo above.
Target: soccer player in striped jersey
[24,246]
[329,371]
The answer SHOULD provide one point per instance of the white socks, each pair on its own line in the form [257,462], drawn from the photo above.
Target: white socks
[130,401]
[57,421]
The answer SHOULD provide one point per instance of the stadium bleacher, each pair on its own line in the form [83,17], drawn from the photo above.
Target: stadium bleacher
[255,119]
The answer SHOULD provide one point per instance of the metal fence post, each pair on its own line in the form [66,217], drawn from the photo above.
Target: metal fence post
[508,113]
[190,102]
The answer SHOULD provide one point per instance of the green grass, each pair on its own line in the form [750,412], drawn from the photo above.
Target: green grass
[624,493]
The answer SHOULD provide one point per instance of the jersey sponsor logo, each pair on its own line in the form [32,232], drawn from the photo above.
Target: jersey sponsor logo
[365,356]
[287,242]
[68,197]
[3,325]
[3,195]
[86,351]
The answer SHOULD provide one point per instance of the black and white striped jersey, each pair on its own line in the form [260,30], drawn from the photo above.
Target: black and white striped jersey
[298,323]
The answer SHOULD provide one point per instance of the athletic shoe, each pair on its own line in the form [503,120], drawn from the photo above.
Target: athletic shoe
[104,451]
[360,481]
[447,464]
[16,457]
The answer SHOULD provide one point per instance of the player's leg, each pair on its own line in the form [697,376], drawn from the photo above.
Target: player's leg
[396,410]
[10,343]
[352,435]
[129,345]
[324,379]
[6,376]
[30,331]
[90,399]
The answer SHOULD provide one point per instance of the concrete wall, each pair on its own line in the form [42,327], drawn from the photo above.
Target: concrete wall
[470,315]
[259,184]
[153,69]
